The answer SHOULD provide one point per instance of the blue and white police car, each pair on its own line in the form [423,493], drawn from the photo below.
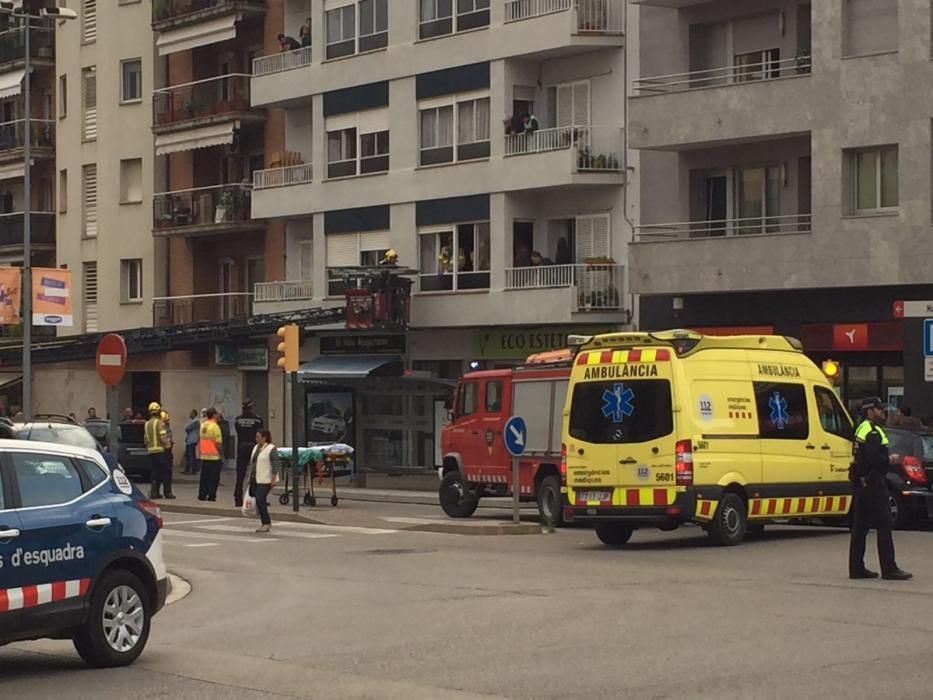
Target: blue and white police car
[80,552]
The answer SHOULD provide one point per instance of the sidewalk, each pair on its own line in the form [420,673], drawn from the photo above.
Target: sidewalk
[348,513]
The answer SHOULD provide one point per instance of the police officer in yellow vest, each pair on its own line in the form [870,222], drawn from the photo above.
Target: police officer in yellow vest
[870,504]
[158,445]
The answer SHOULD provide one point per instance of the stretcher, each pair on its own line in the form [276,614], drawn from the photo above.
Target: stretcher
[315,462]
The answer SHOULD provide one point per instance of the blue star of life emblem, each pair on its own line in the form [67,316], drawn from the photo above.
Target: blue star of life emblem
[779,414]
[617,404]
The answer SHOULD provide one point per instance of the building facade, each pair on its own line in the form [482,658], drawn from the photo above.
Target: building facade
[783,158]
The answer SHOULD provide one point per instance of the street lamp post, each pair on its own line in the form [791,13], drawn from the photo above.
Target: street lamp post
[16,9]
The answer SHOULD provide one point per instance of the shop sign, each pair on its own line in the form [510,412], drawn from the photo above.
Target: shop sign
[519,344]
[224,355]
[363,344]
[253,359]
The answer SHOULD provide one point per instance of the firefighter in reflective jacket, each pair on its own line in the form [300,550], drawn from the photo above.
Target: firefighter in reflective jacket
[158,445]
[870,504]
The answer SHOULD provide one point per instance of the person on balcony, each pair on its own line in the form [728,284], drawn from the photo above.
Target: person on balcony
[563,255]
[304,34]
[538,260]
[288,43]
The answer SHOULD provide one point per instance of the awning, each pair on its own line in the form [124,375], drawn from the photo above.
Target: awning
[202,137]
[9,380]
[197,34]
[352,367]
[11,84]
[13,171]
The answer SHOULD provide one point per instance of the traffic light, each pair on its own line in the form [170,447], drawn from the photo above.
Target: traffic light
[832,369]
[290,336]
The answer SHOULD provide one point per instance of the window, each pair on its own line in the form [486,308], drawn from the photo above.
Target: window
[833,417]
[570,102]
[374,152]
[350,250]
[89,199]
[305,260]
[493,396]
[874,179]
[93,474]
[869,27]
[341,32]
[782,411]
[757,197]
[89,296]
[757,65]
[62,191]
[374,24]
[45,480]
[592,237]
[131,181]
[372,17]
[88,21]
[469,119]
[455,259]
[622,412]
[131,280]
[62,96]
[132,83]
[467,400]
[89,102]
[341,153]
[437,16]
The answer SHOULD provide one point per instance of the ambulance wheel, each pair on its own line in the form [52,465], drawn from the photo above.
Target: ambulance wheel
[453,497]
[283,499]
[333,501]
[728,526]
[614,534]
[549,501]
[117,626]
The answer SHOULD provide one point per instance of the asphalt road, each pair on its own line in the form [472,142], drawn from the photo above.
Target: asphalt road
[327,613]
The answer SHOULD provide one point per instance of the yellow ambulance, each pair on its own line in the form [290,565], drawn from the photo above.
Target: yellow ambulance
[662,429]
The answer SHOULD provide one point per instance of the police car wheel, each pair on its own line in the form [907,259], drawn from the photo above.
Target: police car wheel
[549,502]
[453,498]
[614,534]
[728,527]
[117,626]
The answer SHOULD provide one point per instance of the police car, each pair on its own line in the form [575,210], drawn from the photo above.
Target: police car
[80,552]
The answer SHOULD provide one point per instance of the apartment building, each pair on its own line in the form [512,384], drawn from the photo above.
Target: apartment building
[403,130]
[783,157]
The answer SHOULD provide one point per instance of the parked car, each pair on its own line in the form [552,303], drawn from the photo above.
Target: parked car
[131,450]
[81,551]
[910,480]
[61,430]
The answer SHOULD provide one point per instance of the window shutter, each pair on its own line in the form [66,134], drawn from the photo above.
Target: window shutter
[89,296]
[565,105]
[305,260]
[581,104]
[89,21]
[89,98]
[592,236]
[601,230]
[374,240]
[584,238]
[89,199]
[343,250]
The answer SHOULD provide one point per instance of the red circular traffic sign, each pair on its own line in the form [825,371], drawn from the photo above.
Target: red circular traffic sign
[111,359]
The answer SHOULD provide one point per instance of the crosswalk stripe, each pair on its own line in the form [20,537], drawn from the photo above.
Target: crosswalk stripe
[234,528]
[203,544]
[170,534]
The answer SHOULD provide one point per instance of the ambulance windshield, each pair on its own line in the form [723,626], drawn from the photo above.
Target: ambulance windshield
[622,412]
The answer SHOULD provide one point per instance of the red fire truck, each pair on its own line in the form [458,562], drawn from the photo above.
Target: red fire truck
[476,463]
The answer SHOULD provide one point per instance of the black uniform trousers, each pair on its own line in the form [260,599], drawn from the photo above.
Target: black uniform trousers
[210,479]
[160,473]
[870,508]
[243,453]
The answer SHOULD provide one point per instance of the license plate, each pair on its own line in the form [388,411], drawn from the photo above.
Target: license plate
[599,496]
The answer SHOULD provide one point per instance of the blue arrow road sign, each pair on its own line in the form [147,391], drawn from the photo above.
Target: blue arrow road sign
[928,337]
[516,436]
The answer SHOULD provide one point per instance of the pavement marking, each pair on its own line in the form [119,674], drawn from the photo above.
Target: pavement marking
[234,528]
[203,544]
[171,534]
[411,521]
[195,522]
[349,529]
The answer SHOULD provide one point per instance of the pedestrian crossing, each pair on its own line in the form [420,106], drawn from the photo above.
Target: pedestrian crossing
[202,533]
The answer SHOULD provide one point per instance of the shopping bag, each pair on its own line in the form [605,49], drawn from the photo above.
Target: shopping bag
[249,506]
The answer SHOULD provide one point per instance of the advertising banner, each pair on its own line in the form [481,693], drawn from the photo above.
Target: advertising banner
[51,297]
[11,295]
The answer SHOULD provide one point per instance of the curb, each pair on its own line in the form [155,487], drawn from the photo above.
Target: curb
[178,589]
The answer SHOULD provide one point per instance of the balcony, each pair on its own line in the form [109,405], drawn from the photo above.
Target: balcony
[281,62]
[596,286]
[13,139]
[198,308]
[282,177]
[732,104]
[593,149]
[204,211]
[42,229]
[204,102]
[755,226]
[272,292]
[13,47]
[590,16]
[170,14]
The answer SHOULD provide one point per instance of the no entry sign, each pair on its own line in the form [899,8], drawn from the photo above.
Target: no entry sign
[111,359]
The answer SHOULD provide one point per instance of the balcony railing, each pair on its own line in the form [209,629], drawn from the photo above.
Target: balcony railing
[211,97]
[13,134]
[759,225]
[195,308]
[41,224]
[13,44]
[593,16]
[597,148]
[282,177]
[165,11]
[600,286]
[203,206]
[729,75]
[280,62]
[298,290]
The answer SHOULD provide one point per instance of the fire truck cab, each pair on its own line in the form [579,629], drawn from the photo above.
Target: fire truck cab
[475,460]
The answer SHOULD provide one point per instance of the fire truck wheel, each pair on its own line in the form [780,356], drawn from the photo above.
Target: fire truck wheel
[549,502]
[453,497]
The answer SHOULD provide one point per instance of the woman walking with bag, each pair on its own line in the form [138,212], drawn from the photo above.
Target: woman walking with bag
[264,466]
